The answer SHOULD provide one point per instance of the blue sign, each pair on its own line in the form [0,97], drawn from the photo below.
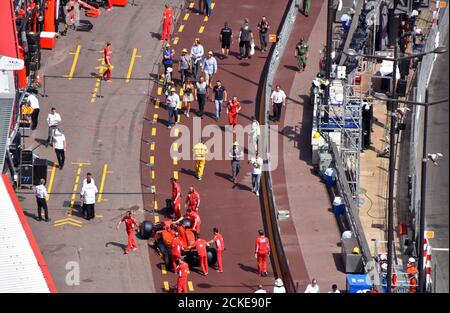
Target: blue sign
[357,283]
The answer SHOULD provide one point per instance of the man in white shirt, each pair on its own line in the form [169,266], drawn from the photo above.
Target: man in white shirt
[278,99]
[53,119]
[34,103]
[312,287]
[334,289]
[197,53]
[60,145]
[172,102]
[257,164]
[87,196]
[41,193]
[279,287]
[260,289]
[88,176]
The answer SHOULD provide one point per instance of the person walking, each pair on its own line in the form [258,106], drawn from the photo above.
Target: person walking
[254,134]
[176,197]
[60,145]
[279,286]
[130,225]
[233,109]
[226,39]
[245,39]
[236,154]
[200,150]
[219,95]
[34,104]
[168,54]
[220,248]
[209,68]
[301,53]
[262,251]
[201,7]
[197,52]
[278,100]
[412,271]
[184,65]
[334,289]
[263,28]
[200,90]
[188,96]
[312,287]
[176,250]
[208,8]
[87,197]
[168,18]
[306,7]
[53,120]
[260,289]
[173,100]
[108,63]
[41,193]
[192,200]
[88,177]
[182,271]
[257,164]
[200,246]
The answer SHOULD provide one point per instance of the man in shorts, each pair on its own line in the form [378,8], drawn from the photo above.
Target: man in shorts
[226,38]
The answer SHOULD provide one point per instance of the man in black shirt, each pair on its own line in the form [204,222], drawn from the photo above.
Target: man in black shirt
[245,39]
[263,28]
[219,96]
[226,38]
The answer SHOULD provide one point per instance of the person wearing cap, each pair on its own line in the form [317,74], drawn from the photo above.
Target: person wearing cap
[184,65]
[412,271]
[219,95]
[197,52]
[312,287]
[167,57]
[233,109]
[254,134]
[209,68]
[200,150]
[176,197]
[168,18]
[188,96]
[279,286]
[257,164]
[60,145]
[236,154]
[173,100]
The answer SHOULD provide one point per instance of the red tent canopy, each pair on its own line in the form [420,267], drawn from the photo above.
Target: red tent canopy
[8,36]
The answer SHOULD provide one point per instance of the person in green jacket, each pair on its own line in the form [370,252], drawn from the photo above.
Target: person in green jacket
[306,7]
[301,53]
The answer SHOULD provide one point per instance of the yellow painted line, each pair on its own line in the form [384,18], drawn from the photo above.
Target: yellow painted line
[175,160]
[72,203]
[152,159]
[75,187]
[212,5]
[98,215]
[102,184]
[50,183]
[157,104]
[79,171]
[77,179]
[205,19]
[190,286]
[74,63]
[80,163]
[67,223]
[153,174]
[175,146]
[191,5]
[73,196]
[155,207]
[130,68]
[175,41]
[93,99]
[154,131]
[152,147]
[68,219]
[175,174]
[166,286]
[155,117]
[153,189]
[179,118]
[159,91]
[180,29]
[176,131]
[202,28]
[186,16]
[163,269]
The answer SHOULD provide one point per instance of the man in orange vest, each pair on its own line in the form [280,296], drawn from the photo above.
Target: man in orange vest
[130,224]
[192,200]
[220,247]
[168,18]
[108,62]
[200,245]
[412,271]
[176,249]
[262,250]
[182,271]
[176,197]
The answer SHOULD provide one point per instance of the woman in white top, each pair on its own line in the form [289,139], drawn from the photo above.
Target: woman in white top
[257,164]
[279,287]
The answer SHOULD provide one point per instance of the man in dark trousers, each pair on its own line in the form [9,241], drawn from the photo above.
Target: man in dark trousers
[263,27]
[236,155]
[226,39]
[245,39]
[41,193]
[60,145]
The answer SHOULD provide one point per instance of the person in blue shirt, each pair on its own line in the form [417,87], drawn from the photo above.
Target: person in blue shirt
[167,57]
[209,68]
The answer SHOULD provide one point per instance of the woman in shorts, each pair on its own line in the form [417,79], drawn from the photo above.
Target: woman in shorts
[188,96]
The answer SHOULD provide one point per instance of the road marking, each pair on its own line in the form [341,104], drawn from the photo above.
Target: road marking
[68,223]
[159,91]
[155,207]
[176,131]
[202,28]
[98,215]
[157,104]
[153,174]
[175,174]
[153,189]
[186,16]
[80,163]
[152,147]
[163,269]
[205,19]
[79,170]
[74,63]
[155,117]
[130,68]
[175,160]
[102,184]
[154,131]
[175,146]
[166,285]
[212,5]
[77,179]
[190,286]
[50,183]
[75,187]
[152,159]
[191,5]
[180,29]
[175,41]
[179,118]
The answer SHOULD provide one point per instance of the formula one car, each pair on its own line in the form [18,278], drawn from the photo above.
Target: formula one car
[164,232]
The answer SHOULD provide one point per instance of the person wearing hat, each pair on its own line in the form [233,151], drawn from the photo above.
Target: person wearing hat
[279,287]
[167,57]
[209,68]
[184,65]
[412,271]
[197,52]
[236,154]
[254,133]
[200,150]
[172,103]
[176,197]
[188,96]
[168,18]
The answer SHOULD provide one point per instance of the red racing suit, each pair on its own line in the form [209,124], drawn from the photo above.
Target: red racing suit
[176,199]
[262,250]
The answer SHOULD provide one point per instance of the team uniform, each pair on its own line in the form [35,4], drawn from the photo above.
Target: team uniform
[176,199]
[233,110]
[182,271]
[130,223]
[262,250]
[200,245]
[220,247]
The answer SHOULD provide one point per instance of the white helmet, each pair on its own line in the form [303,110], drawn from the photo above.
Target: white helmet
[278,282]
[383,257]
[412,260]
